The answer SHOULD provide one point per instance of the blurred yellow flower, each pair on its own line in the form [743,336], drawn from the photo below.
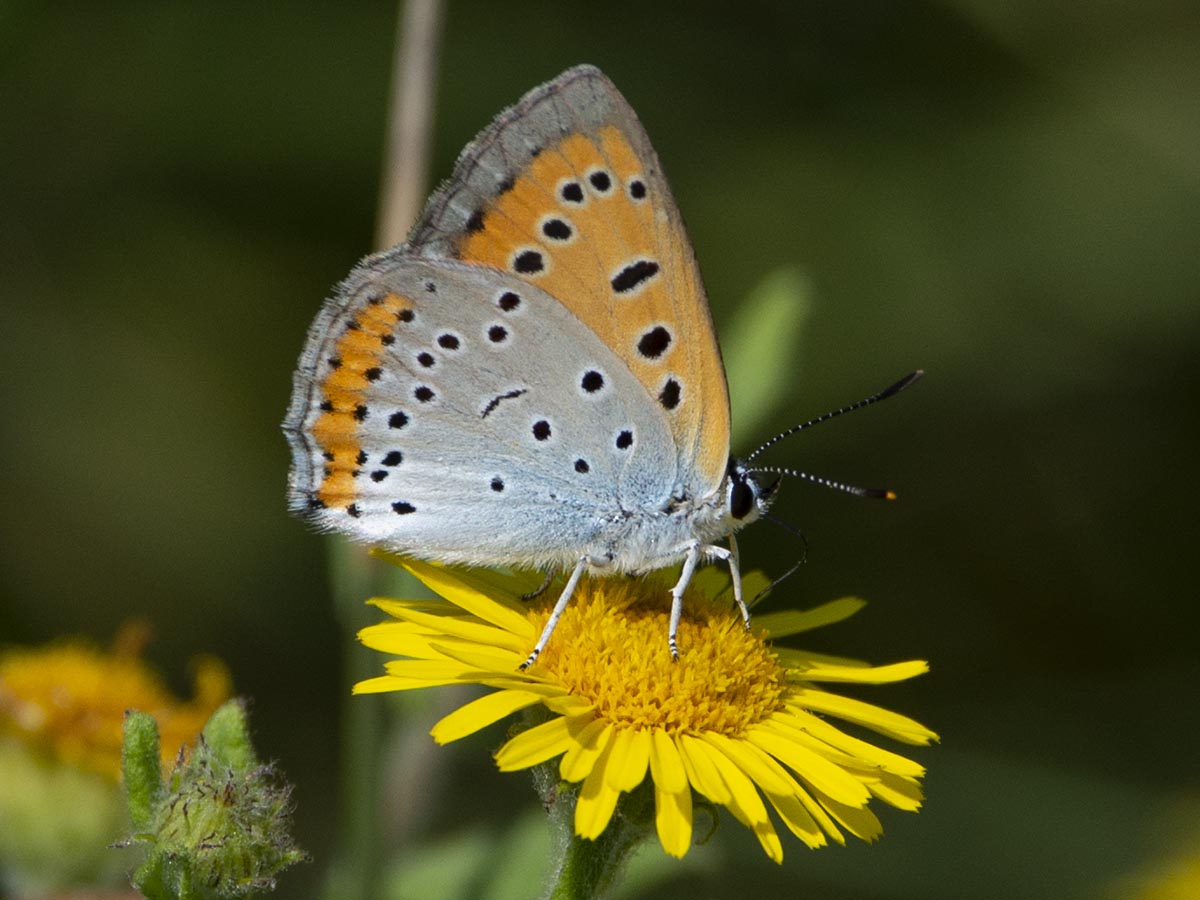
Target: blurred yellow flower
[68,699]
[62,707]
[1173,870]
[735,720]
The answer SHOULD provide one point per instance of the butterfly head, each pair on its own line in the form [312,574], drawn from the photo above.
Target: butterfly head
[745,498]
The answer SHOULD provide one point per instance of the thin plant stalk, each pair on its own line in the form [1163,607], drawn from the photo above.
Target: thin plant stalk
[353,575]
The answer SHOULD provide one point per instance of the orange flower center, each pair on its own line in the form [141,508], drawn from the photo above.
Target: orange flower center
[610,648]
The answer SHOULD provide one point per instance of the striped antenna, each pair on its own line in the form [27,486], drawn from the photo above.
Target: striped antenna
[854,489]
[796,429]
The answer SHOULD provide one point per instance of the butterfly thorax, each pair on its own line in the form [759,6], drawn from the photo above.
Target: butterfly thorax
[643,541]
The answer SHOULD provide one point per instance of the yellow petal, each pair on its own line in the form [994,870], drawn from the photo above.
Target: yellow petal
[471,654]
[520,682]
[868,715]
[743,796]
[801,813]
[859,821]
[788,622]
[628,756]
[466,628]
[384,683]
[791,723]
[666,766]
[568,705]
[590,740]
[379,685]
[398,639]
[432,605]
[597,799]
[852,671]
[480,713]
[673,817]
[858,767]
[745,802]
[800,660]
[898,791]
[748,762]
[797,819]
[458,587]
[439,671]
[536,745]
[810,766]
[508,586]
[701,771]
[814,809]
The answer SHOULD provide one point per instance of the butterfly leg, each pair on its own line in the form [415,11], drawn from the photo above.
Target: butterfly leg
[730,557]
[735,573]
[556,613]
[685,578]
[694,553]
[538,591]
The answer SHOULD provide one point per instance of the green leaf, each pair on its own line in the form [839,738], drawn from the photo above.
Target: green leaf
[141,768]
[228,738]
[762,346]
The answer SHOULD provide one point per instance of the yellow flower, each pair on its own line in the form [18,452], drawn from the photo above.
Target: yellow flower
[62,707]
[68,699]
[735,720]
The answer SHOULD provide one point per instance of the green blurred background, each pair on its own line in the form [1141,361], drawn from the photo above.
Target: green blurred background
[1005,194]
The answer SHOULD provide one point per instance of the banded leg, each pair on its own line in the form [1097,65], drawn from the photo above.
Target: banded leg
[556,613]
[685,577]
[694,554]
[538,591]
[735,573]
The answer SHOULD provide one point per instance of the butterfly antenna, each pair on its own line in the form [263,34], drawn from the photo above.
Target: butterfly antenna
[866,401]
[793,530]
[879,493]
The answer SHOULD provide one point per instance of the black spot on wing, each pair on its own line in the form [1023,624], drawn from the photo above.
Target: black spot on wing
[496,401]
[634,275]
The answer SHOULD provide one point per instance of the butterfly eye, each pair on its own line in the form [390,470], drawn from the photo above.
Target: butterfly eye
[741,498]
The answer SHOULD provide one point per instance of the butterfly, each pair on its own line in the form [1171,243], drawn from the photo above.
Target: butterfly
[533,378]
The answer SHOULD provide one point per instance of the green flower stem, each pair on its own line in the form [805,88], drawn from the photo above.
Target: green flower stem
[587,870]
[363,730]
[355,874]
[359,855]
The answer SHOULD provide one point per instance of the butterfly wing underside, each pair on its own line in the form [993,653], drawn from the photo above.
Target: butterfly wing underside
[463,415]
[564,191]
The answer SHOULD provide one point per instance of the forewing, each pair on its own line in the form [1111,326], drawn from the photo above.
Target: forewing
[564,191]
